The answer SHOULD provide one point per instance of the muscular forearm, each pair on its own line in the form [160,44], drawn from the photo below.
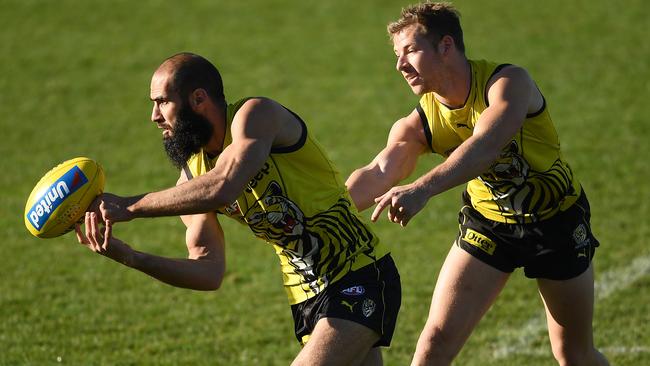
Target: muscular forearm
[367,183]
[467,162]
[205,243]
[195,274]
[205,193]
[200,195]
[393,164]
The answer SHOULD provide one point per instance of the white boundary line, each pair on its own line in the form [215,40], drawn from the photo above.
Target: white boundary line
[622,350]
[521,341]
[611,350]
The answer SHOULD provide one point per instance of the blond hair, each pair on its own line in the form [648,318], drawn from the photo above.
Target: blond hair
[434,20]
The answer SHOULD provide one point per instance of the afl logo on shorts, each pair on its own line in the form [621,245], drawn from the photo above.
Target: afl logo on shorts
[354,291]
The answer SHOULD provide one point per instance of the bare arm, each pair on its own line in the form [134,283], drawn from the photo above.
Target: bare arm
[394,163]
[202,270]
[257,126]
[510,96]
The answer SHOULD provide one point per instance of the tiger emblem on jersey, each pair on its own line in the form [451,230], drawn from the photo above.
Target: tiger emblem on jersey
[312,245]
[516,188]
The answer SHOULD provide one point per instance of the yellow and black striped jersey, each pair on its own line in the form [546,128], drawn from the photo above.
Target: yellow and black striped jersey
[530,181]
[298,203]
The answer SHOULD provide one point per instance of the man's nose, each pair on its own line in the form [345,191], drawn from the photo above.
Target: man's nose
[156,116]
[401,63]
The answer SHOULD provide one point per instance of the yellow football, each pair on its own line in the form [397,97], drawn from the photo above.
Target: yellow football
[61,198]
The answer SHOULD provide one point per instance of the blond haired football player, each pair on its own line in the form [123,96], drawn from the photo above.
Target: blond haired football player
[523,205]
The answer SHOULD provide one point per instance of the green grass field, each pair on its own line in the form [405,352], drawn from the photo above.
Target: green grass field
[74,80]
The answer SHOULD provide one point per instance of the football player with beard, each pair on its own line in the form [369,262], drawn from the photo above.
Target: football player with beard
[256,162]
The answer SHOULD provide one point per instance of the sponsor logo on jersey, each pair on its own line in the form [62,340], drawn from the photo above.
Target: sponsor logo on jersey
[480,241]
[54,195]
[354,291]
[258,177]
[368,307]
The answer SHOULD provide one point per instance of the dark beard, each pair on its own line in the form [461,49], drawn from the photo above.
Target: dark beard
[190,133]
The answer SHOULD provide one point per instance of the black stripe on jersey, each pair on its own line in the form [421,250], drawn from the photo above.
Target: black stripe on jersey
[485,92]
[498,68]
[531,115]
[275,164]
[188,172]
[297,145]
[425,125]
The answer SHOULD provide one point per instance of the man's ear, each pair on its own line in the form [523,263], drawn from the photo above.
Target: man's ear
[445,44]
[197,97]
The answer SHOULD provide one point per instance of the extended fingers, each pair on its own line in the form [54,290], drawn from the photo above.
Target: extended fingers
[92,231]
[89,233]
[395,211]
[108,232]
[80,235]
[399,212]
[102,211]
[382,201]
[403,213]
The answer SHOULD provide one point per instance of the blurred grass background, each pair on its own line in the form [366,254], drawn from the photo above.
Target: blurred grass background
[74,80]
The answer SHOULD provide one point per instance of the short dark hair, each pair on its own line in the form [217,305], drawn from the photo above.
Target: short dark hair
[436,20]
[191,72]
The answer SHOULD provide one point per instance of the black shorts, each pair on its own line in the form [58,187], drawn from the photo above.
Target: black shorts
[370,296]
[559,248]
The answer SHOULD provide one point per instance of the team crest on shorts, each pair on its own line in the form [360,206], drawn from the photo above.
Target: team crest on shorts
[354,291]
[368,307]
[580,235]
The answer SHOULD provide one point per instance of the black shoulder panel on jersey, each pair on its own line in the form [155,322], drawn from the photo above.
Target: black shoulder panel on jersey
[425,125]
[300,143]
[496,70]
[188,172]
[541,109]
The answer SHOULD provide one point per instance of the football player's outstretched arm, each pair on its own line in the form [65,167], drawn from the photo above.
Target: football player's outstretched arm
[258,125]
[511,94]
[202,270]
[406,142]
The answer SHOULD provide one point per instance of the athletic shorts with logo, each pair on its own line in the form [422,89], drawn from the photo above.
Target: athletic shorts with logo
[558,248]
[370,296]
